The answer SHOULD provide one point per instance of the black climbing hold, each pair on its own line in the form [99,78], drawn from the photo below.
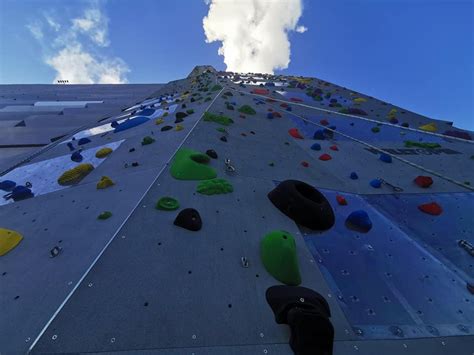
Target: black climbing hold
[131,150]
[212,153]
[178,120]
[114,124]
[166,128]
[307,314]
[135,164]
[189,219]
[70,146]
[303,204]
[223,138]
[77,157]
[181,115]
[84,140]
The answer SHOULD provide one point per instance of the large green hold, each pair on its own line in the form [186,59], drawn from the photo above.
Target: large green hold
[214,187]
[247,110]
[278,254]
[427,145]
[191,165]
[223,120]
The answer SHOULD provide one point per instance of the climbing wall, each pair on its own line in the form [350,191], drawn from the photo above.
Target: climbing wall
[152,278]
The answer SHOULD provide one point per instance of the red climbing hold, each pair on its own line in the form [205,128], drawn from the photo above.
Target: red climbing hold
[423,181]
[295,133]
[325,157]
[260,91]
[295,99]
[341,200]
[431,208]
[305,164]
[284,105]
[334,147]
[324,122]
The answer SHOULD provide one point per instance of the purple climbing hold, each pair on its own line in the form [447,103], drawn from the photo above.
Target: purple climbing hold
[376,183]
[359,221]
[354,176]
[385,158]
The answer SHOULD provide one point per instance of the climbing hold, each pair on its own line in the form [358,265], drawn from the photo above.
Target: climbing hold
[212,153]
[458,134]
[278,254]
[167,204]
[190,111]
[223,120]
[423,181]
[376,183]
[159,121]
[353,111]
[325,157]
[214,187]
[19,193]
[295,99]
[135,163]
[319,134]
[216,87]
[223,138]
[77,157]
[75,175]
[270,115]
[180,116]
[7,185]
[359,100]
[188,219]
[166,128]
[103,152]
[334,147]
[305,164]
[131,150]
[271,164]
[429,127]
[178,120]
[70,146]
[341,200]
[221,129]
[316,146]
[145,112]
[130,123]
[359,221]
[426,145]
[105,182]
[405,124]
[431,208]
[104,215]
[84,140]
[385,158]
[190,165]
[375,129]
[354,176]
[303,204]
[324,122]
[179,128]
[295,133]
[114,124]
[260,91]
[247,110]
[147,140]
[9,239]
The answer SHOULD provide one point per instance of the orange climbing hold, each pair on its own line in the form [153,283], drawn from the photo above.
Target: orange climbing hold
[431,208]
[260,91]
[334,147]
[295,133]
[341,200]
[325,157]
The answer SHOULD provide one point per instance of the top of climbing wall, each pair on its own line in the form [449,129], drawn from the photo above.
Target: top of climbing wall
[235,213]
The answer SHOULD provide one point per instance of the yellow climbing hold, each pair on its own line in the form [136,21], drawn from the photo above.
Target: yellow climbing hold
[105,182]
[430,127]
[102,153]
[8,240]
[359,100]
[76,174]
[159,121]
[178,127]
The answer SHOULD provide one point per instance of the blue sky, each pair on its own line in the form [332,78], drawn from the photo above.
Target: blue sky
[417,54]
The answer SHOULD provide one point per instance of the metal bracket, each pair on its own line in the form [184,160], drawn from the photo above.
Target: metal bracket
[244,261]
[228,166]
[394,188]
[55,251]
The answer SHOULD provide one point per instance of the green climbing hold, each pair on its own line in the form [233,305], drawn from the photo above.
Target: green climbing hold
[190,111]
[247,110]
[221,129]
[167,204]
[278,254]
[375,129]
[147,140]
[190,165]
[105,215]
[216,87]
[223,120]
[409,144]
[214,187]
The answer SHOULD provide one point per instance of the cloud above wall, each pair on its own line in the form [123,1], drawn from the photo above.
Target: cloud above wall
[77,48]
[253,33]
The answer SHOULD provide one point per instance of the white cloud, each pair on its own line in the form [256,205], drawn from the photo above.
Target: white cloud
[301,29]
[254,33]
[75,48]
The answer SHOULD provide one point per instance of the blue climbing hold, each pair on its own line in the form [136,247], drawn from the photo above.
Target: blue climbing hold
[83,141]
[77,157]
[385,158]
[132,122]
[70,146]
[270,115]
[7,185]
[319,134]
[359,220]
[316,146]
[376,183]
[114,124]
[146,112]
[19,193]
[354,175]
[289,108]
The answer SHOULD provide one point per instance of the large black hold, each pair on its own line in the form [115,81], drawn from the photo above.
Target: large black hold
[211,153]
[189,219]
[307,313]
[303,204]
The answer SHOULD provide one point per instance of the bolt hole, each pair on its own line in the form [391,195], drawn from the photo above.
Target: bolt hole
[146,304]
[190,272]
[17,297]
